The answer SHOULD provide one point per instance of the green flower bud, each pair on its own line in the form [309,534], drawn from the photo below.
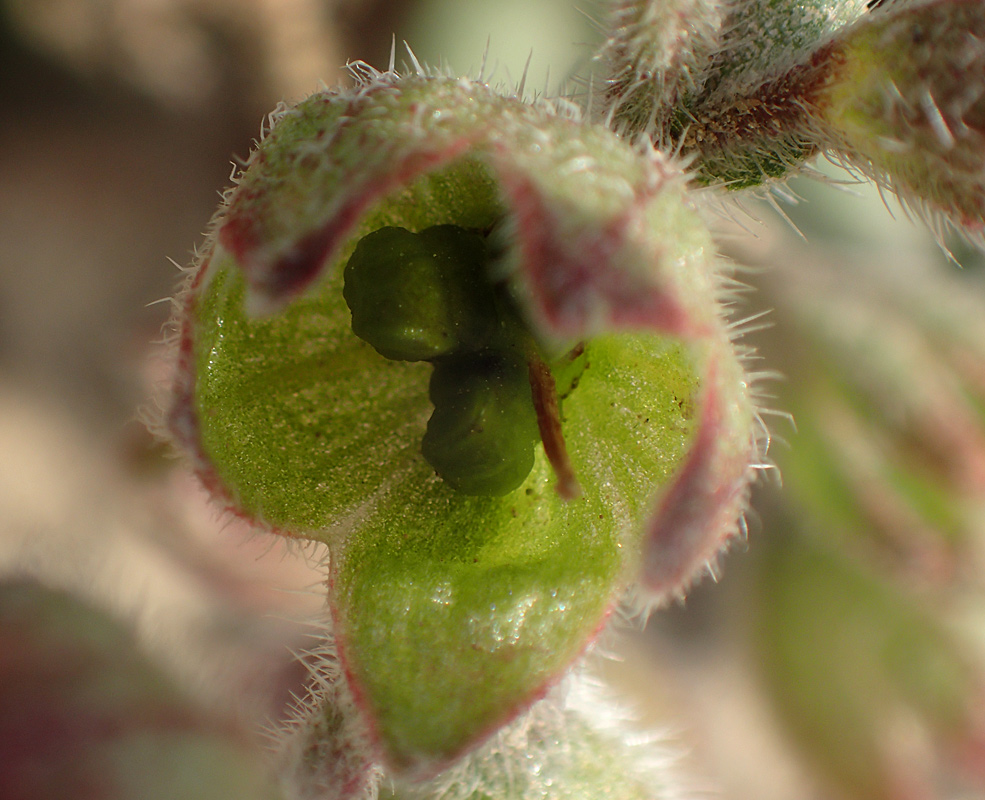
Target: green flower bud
[905,103]
[417,297]
[480,437]
[846,654]
[862,596]
[729,85]
[455,611]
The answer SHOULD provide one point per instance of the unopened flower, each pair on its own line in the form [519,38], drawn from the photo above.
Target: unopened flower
[752,92]
[728,85]
[875,688]
[906,456]
[905,103]
[490,372]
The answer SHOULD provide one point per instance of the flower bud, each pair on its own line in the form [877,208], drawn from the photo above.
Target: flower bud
[459,594]
[905,104]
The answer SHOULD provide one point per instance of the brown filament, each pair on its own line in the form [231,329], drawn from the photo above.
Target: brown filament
[544,393]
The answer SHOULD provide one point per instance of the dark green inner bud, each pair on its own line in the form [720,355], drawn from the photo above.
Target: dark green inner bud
[417,297]
[427,297]
[480,438]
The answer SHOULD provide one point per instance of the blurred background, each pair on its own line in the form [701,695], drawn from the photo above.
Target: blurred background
[840,654]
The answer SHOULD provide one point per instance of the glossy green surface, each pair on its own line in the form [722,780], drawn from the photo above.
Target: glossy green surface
[480,438]
[420,296]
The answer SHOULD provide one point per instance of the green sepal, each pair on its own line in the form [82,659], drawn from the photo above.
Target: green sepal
[301,426]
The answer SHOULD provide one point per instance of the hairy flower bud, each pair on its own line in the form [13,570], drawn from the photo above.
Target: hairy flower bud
[656,56]
[905,104]
[727,85]
[458,600]
[848,656]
